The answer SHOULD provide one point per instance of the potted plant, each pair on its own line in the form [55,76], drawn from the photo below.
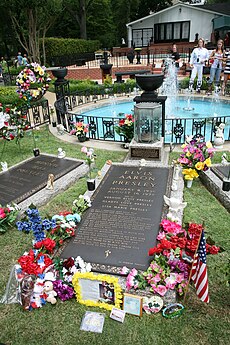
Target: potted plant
[126,127]
[81,130]
[90,160]
[196,157]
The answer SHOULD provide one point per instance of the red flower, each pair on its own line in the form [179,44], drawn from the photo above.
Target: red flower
[61,242]
[155,250]
[181,243]
[212,249]
[64,213]
[121,122]
[195,229]
[47,243]
[165,244]
[192,245]
[7,110]
[68,263]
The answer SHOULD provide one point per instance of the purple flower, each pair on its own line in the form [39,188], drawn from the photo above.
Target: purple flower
[63,290]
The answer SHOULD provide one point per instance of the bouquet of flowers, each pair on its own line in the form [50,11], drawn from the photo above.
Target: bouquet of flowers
[66,223]
[81,204]
[196,157]
[12,123]
[32,82]
[8,216]
[81,129]
[90,158]
[126,127]
[34,222]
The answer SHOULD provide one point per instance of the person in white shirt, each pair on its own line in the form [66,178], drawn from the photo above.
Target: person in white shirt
[197,61]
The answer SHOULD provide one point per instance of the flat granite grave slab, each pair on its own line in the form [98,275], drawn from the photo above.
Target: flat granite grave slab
[30,176]
[124,219]
[221,171]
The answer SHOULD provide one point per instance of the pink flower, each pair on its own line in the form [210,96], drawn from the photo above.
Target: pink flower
[161,236]
[183,160]
[161,290]
[156,279]
[84,149]
[179,277]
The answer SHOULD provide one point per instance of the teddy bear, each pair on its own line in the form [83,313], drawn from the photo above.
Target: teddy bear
[49,291]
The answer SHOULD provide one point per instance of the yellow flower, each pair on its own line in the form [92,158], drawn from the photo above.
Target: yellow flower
[188,154]
[183,146]
[209,144]
[208,162]
[199,166]
[190,174]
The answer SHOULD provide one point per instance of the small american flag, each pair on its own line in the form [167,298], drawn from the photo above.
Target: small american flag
[199,271]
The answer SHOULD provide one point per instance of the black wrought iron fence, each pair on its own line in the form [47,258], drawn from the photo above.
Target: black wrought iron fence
[38,113]
[103,128]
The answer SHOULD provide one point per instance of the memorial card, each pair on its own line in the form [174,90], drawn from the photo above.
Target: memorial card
[92,322]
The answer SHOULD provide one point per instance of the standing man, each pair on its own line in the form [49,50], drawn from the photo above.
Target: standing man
[19,58]
[198,59]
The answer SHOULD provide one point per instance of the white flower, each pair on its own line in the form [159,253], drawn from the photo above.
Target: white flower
[88,267]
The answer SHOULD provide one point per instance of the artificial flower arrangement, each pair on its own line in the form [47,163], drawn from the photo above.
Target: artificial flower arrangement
[90,158]
[126,127]
[81,204]
[196,157]
[173,256]
[80,130]
[33,81]
[12,123]
[36,267]
[8,215]
[66,223]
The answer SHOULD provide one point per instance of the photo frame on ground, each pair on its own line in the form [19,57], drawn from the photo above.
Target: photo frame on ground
[97,290]
[132,304]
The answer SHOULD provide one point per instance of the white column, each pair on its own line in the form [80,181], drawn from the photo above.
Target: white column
[129,29]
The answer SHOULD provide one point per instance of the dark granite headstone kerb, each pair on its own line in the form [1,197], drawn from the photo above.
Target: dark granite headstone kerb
[221,171]
[28,177]
[124,219]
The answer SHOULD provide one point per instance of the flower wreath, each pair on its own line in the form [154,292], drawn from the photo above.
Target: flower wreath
[32,74]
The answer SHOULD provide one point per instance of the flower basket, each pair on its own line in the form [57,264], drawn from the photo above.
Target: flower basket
[81,138]
[196,157]
[125,128]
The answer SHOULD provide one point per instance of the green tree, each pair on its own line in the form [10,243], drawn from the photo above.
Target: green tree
[79,10]
[148,6]
[31,20]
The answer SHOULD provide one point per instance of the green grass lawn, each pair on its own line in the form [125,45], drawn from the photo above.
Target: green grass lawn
[60,324]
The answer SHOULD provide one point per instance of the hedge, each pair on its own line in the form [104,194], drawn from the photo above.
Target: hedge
[69,46]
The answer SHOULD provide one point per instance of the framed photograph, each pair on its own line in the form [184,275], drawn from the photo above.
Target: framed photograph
[97,290]
[132,304]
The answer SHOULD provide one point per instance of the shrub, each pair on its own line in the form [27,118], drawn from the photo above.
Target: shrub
[56,47]
[8,95]
[184,83]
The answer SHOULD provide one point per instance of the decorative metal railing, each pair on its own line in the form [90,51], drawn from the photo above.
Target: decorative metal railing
[103,128]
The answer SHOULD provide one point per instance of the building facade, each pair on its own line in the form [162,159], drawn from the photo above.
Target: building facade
[178,23]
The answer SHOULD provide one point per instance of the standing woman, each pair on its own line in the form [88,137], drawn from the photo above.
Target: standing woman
[217,57]
[198,59]
[226,70]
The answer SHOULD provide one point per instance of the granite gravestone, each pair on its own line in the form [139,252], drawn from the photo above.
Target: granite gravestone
[27,178]
[221,171]
[124,219]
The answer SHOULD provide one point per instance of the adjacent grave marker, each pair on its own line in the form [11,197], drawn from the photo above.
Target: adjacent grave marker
[123,222]
[27,178]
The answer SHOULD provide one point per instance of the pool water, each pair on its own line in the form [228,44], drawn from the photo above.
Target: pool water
[200,109]
[196,109]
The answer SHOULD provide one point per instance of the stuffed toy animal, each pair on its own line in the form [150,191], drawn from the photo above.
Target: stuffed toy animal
[49,291]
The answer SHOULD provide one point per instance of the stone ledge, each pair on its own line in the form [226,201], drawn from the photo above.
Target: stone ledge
[214,186]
